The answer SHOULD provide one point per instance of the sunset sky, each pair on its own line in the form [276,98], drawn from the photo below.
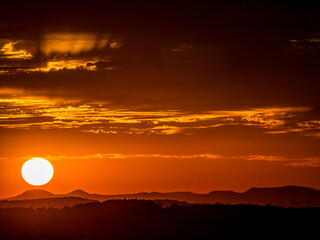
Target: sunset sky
[125,97]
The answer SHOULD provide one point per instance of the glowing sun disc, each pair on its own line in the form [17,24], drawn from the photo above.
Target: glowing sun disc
[37,171]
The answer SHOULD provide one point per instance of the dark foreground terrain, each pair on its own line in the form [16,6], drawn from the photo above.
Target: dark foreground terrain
[144,219]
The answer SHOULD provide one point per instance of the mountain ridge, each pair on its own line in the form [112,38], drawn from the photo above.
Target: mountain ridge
[289,196]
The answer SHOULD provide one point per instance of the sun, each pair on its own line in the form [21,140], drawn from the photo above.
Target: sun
[37,171]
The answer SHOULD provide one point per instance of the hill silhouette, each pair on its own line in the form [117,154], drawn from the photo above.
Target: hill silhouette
[145,219]
[288,196]
[33,194]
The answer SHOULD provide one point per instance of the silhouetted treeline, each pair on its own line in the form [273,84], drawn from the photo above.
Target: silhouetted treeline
[45,202]
[144,219]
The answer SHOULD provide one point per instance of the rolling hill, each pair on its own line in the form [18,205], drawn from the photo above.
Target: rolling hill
[288,196]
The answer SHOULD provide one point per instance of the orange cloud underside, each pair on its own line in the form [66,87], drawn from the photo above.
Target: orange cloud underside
[58,51]
[23,112]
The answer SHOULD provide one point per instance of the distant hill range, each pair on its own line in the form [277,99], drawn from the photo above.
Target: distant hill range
[288,196]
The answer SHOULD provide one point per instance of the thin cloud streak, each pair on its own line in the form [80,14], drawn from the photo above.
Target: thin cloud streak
[28,112]
[313,162]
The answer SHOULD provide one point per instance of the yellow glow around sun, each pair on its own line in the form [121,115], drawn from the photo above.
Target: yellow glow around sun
[37,171]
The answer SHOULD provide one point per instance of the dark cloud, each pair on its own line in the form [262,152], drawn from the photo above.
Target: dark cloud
[101,64]
[190,56]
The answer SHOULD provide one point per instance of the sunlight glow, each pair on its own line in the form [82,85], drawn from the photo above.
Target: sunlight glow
[73,42]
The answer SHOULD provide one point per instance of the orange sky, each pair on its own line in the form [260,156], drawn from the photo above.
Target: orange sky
[160,98]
